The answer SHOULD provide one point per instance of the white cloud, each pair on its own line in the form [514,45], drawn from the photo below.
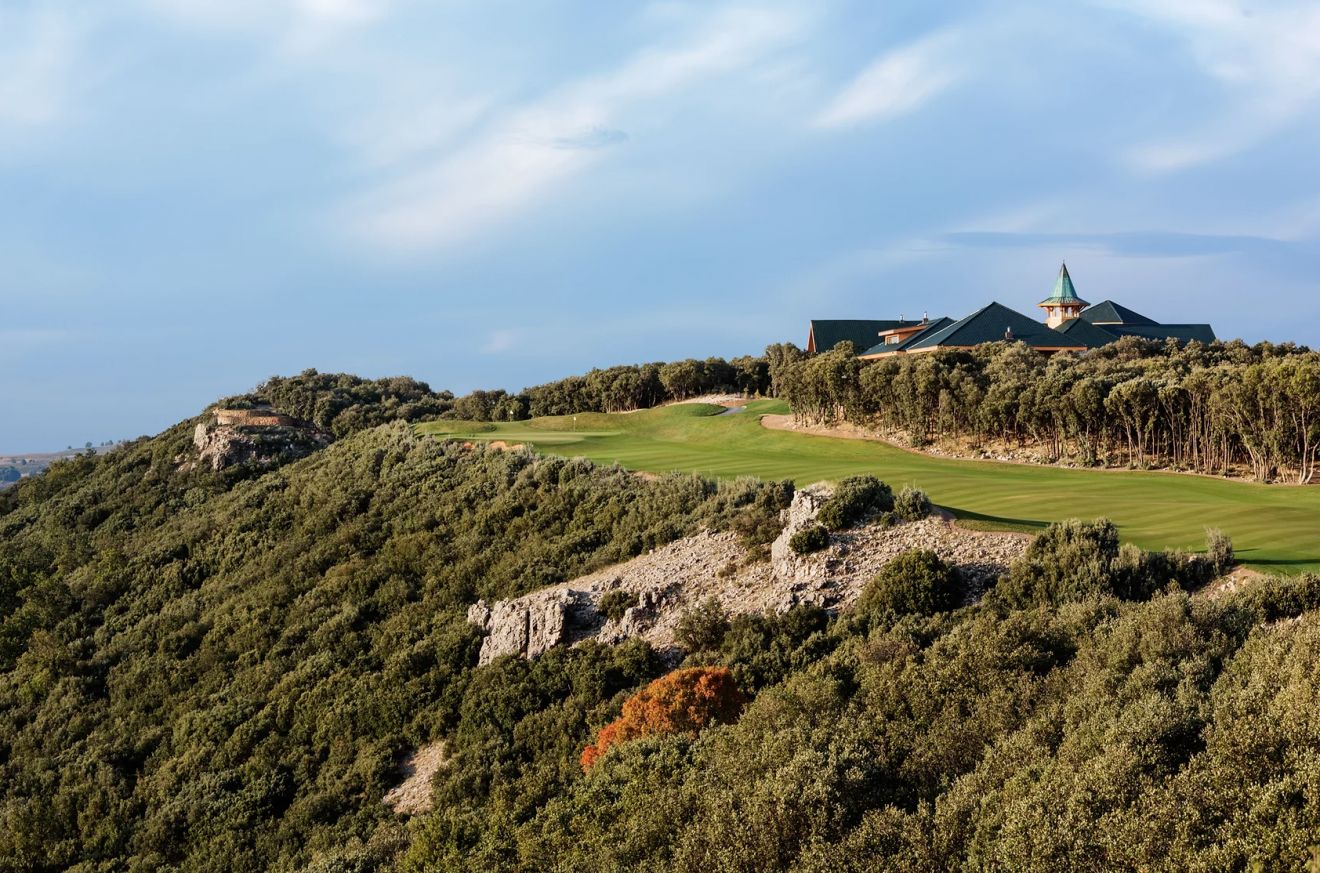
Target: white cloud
[294,25]
[38,52]
[896,83]
[523,154]
[1267,59]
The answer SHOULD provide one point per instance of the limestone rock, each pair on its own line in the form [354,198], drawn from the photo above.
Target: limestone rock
[799,516]
[531,626]
[678,576]
[220,446]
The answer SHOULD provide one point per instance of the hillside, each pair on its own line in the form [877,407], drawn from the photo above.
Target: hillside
[221,670]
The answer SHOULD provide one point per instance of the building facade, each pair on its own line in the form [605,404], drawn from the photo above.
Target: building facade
[1071,324]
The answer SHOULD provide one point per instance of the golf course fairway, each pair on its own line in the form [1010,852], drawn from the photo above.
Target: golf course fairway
[1275,528]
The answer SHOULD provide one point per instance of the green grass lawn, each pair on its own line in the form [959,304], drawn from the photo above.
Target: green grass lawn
[1274,528]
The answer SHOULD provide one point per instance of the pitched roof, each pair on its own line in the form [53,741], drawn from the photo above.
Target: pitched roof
[1110,312]
[826,334]
[1064,292]
[990,324]
[1183,332]
[1090,335]
[935,326]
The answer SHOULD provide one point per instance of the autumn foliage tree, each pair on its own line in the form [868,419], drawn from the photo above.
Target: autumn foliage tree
[685,701]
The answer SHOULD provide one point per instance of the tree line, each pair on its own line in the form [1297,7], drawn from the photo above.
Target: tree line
[619,389]
[1214,409]
[342,404]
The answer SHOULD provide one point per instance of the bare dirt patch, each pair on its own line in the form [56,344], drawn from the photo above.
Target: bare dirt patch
[413,795]
[1238,579]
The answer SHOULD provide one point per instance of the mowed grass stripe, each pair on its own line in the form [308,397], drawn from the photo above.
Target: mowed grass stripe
[1273,527]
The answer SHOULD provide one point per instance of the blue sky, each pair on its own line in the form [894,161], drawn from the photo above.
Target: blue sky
[198,194]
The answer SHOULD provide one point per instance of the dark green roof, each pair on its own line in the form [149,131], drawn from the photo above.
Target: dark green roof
[991,324]
[1202,333]
[826,334]
[1064,292]
[936,325]
[1110,312]
[1084,332]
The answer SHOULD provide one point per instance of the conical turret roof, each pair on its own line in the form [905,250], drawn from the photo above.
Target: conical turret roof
[1064,292]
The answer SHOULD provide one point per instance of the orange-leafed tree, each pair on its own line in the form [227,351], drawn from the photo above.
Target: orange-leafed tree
[685,701]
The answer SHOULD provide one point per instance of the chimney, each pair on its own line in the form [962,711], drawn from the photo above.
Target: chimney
[1008,334]
[924,318]
[900,318]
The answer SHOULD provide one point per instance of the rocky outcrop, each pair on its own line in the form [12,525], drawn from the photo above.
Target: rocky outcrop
[220,446]
[532,625]
[800,515]
[676,577]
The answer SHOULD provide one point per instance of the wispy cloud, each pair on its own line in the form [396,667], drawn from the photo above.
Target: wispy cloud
[895,83]
[1149,244]
[1267,59]
[295,26]
[38,53]
[523,153]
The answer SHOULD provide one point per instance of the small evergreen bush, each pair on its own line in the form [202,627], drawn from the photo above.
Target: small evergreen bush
[613,604]
[854,497]
[812,539]
[1218,550]
[702,628]
[911,504]
[916,581]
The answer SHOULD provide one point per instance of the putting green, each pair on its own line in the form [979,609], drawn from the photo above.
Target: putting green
[1274,528]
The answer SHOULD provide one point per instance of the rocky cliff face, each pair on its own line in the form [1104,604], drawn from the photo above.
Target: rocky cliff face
[682,574]
[220,446]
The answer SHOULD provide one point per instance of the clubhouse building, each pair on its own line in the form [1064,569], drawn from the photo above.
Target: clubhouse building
[1071,325]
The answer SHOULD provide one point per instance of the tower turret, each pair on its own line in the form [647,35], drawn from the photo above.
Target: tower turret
[1064,303]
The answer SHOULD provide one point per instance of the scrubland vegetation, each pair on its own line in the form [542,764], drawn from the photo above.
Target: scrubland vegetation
[219,671]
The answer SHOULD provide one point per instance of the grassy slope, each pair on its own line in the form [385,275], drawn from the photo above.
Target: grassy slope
[1274,527]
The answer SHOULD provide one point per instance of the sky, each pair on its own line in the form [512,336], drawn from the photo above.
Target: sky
[198,194]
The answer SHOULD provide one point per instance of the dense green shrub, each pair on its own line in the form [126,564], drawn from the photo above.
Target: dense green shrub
[914,581]
[853,498]
[911,504]
[760,523]
[808,540]
[762,649]
[702,628]
[613,604]
[1074,560]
